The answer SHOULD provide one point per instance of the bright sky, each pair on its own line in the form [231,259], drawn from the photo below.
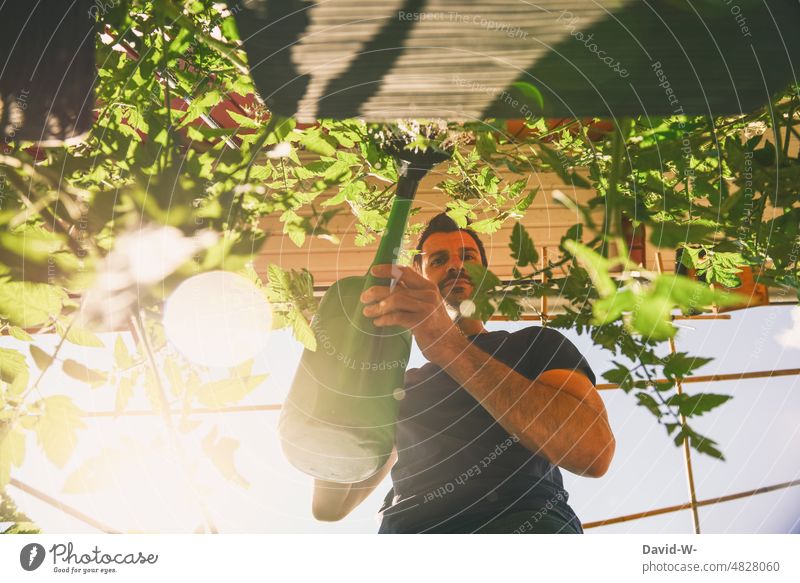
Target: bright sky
[757,430]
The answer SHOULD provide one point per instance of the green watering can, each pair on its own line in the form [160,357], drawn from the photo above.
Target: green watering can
[338,421]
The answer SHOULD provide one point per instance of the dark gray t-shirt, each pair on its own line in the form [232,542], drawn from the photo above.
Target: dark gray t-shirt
[455,462]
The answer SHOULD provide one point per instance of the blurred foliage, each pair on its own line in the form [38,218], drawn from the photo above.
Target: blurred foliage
[724,190]
[21,524]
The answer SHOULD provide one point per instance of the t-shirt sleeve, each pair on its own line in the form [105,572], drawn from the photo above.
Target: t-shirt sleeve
[549,349]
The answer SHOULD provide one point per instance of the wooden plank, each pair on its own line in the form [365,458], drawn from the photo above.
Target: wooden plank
[460,59]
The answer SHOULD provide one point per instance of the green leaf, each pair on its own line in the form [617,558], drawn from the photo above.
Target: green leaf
[509,308]
[723,268]
[95,474]
[244,121]
[689,294]
[699,442]
[608,309]
[621,376]
[42,359]
[652,317]
[12,364]
[222,452]
[670,235]
[12,451]
[78,335]
[82,373]
[596,265]
[317,142]
[522,248]
[560,165]
[57,428]
[124,394]
[20,334]
[173,374]
[302,330]
[648,402]
[488,226]
[698,404]
[679,364]
[486,145]
[122,358]
[29,304]
[31,243]
[484,281]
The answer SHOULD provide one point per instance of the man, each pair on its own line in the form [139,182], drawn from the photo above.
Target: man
[483,426]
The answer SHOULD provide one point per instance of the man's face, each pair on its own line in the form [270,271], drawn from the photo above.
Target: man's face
[443,258]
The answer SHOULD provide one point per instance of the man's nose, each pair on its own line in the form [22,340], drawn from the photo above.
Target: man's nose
[456,265]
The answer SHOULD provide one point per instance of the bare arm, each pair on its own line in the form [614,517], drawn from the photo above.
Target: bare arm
[559,414]
[333,501]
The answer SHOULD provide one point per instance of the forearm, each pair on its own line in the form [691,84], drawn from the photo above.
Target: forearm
[329,499]
[557,418]
[336,499]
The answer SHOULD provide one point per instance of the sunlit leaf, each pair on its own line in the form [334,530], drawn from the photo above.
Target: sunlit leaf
[124,394]
[57,428]
[222,452]
[12,364]
[83,373]
[29,304]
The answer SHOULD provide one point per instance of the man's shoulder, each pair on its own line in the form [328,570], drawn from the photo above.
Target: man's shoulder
[541,334]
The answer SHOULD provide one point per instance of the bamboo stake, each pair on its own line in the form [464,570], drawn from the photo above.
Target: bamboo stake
[687,452]
[687,505]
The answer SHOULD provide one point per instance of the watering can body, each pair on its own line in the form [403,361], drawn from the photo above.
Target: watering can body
[338,421]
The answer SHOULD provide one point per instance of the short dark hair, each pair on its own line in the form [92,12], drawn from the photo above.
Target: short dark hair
[441,223]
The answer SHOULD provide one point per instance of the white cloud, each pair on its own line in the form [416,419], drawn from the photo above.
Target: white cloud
[791,337]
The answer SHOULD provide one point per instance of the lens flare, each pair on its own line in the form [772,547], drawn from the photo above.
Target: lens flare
[218,319]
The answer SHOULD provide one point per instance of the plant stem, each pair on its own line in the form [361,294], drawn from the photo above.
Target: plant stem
[138,325]
[613,212]
[53,357]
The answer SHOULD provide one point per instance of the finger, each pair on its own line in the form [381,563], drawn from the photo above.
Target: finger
[408,276]
[374,293]
[404,319]
[377,293]
[397,303]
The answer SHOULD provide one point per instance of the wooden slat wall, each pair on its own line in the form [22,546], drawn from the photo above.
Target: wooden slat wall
[545,220]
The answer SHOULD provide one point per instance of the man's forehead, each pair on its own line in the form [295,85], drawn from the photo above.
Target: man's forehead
[452,241]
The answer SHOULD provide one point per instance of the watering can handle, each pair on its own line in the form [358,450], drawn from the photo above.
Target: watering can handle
[389,247]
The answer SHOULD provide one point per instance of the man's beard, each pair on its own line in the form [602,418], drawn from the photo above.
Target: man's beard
[451,302]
